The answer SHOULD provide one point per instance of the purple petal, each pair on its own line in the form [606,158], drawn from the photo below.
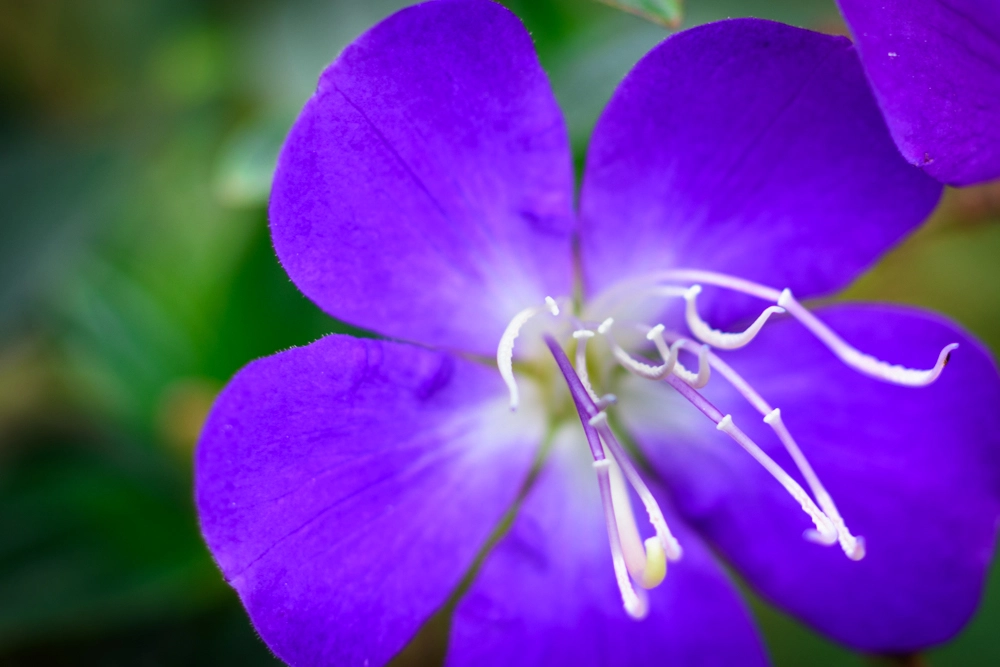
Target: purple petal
[426,190]
[935,68]
[914,471]
[345,487]
[751,148]
[547,593]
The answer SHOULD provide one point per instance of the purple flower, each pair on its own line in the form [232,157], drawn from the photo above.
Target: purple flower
[426,193]
[935,69]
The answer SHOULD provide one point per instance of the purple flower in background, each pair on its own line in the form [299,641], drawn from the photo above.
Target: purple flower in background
[426,193]
[935,69]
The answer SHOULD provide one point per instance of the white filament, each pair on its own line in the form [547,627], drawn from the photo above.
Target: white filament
[864,363]
[671,547]
[825,532]
[853,546]
[636,603]
[716,338]
[505,349]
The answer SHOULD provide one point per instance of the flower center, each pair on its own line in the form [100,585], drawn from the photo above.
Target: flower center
[638,564]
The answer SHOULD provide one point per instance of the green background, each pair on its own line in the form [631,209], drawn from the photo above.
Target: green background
[136,276]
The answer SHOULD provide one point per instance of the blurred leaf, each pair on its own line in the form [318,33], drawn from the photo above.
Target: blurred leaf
[55,196]
[246,163]
[97,534]
[667,12]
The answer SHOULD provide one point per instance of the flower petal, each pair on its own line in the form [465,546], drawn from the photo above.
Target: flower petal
[547,594]
[345,487]
[935,68]
[914,471]
[751,148]
[426,190]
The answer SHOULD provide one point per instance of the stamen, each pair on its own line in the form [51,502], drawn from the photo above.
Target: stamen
[696,380]
[671,547]
[825,532]
[636,603]
[720,339]
[505,349]
[864,363]
[637,367]
[582,336]
[650,568]
[853,546]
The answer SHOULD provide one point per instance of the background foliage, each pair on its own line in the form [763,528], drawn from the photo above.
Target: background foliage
[136,276]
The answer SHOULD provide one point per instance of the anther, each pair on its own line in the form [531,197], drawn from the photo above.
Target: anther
[720,339]
[656,564]
[605,326]
[552,305]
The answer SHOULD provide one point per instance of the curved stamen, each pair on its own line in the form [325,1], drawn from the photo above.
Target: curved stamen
[853,546]
[859,361]
[864,363]
[696,380]
[825,532]
[635,366]
[505,349]
[720,339]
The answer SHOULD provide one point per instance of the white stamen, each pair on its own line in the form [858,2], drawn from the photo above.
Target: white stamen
[605,326]
[644,370]
[582,336]
[720,339]
[854,358]
[505,352]
[699,379]
[853,546]
[505,349]
[864,363]
[636,603]
[671,547]
[825,532]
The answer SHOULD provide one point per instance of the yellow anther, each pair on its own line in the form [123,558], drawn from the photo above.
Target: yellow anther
[656,564]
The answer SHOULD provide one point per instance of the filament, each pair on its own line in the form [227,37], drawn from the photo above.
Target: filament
[716,338]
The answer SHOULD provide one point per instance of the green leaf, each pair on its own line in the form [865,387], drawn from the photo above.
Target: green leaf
[666,12]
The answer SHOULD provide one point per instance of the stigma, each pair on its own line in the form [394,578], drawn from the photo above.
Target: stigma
[641,564]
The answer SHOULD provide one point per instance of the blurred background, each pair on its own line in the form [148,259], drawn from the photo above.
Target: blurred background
[137,139]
